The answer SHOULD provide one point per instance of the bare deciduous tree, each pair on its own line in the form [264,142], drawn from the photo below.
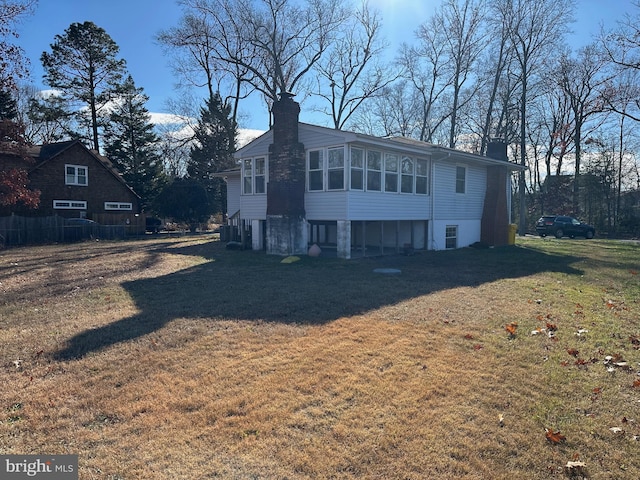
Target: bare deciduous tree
[350,72]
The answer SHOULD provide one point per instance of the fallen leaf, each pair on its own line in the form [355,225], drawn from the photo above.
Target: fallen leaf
[478,346]
[511,328]
[468,336]
[573,352]
[554,437]
[617,430]
[551,327]
[597,390]
[636,383]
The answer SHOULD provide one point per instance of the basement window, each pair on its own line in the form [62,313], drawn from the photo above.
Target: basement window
[451,236]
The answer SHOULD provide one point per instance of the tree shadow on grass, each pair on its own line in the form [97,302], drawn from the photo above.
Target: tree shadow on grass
[256,287]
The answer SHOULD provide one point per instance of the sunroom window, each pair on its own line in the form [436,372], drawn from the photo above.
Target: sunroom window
[422,176]
[374,170]
[391,172]
[357,169]
[406,182]
[335,170]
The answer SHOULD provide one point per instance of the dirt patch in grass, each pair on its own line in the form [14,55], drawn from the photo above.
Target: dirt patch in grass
[174,358]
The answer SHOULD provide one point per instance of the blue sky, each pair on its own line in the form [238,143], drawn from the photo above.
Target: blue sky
[133,25]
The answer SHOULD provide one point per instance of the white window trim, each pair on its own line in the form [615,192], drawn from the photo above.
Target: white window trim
[69,205]
[118,206]
[243,176]
[75,182]
[447,228]
[325,169]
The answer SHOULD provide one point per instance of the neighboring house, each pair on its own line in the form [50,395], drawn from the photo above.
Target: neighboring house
[77,182]
[363,195]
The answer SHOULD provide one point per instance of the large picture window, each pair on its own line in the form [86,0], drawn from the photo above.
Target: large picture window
[76,175]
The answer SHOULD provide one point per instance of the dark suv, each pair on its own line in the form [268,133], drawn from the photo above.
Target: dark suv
[561,226]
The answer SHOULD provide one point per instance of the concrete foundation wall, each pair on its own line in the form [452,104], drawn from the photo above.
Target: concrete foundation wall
[286,235]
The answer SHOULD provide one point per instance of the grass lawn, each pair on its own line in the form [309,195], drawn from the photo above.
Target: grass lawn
[172,358]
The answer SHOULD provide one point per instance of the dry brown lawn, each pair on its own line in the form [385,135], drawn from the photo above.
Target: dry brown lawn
[172,358]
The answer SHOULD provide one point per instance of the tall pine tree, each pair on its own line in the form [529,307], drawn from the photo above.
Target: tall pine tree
[132,145]
[215,137]
[83,65]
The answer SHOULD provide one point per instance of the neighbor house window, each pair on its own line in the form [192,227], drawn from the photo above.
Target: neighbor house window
[69,204]
[451,236]
[461,174]
[357,169]
[335,171]
[422,176]
[76,175]
[406,179]
[316,170]
[118,206]
[374,170]
[391,172]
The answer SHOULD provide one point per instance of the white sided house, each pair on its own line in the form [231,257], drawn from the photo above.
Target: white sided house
[357,195]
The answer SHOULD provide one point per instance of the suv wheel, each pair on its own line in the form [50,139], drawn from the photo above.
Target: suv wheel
[589,234]
[559,233]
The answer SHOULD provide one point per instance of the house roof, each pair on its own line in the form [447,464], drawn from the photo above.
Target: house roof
[45,153]
[405,144]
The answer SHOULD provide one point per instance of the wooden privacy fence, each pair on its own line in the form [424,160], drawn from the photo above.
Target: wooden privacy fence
[16,230]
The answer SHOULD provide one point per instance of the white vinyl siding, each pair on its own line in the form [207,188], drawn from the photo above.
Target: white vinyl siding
[451,205]
[461,179]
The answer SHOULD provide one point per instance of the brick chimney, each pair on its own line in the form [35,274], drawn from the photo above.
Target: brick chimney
[495,215]
[286,232]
